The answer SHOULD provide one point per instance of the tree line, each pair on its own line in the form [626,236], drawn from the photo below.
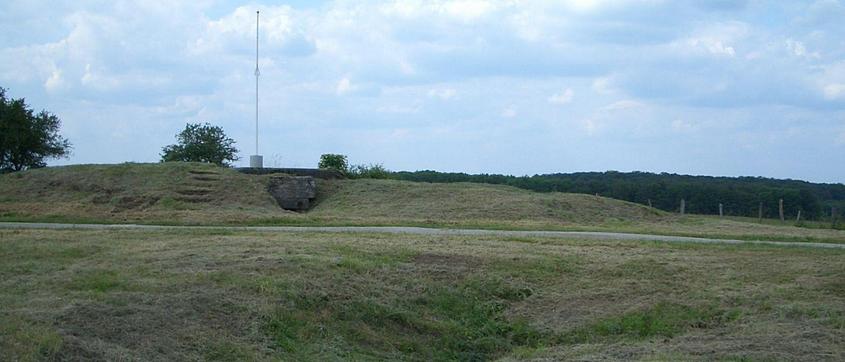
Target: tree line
[740,196]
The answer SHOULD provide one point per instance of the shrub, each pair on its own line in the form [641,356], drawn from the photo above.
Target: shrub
[376,171]
[333,161]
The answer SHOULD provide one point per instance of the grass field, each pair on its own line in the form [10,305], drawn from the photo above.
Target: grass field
[222,295]
[199,194]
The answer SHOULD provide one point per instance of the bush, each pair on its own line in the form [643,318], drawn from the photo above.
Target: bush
[376,171]
[333,161]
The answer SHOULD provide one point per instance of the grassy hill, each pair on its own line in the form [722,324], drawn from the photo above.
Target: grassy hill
[171,192]
[384,201]
[201,194]
[204,194]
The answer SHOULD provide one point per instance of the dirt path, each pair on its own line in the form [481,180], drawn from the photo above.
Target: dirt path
[421,231]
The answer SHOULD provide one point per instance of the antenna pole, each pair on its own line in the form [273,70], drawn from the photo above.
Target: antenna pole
[257,73]
[256,160]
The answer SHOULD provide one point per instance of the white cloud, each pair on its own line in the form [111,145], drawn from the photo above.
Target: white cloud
[832,81]
[344,86]
[714,39]
[682,126]
[55,81]
[583,5]
[712,45]
[98,81]
[468,10]
[563,97]
[590,126]
[280,34]
[625,104]
[624,118]
[401,109]
[509,112]
[834,91]
[444,93]
[604,85]
[464,11]
[798,49]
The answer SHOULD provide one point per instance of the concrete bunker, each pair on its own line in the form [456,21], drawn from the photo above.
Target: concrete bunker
[295,193]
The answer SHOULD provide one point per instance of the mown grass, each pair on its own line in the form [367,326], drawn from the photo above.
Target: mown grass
[463,322]
[227,295]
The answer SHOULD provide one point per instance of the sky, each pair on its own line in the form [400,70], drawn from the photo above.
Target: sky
[718,87]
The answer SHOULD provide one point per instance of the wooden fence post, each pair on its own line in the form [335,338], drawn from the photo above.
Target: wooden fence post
[780,209]
[721,210]
[649,203]
[683,206]
[760,212]
[798,219]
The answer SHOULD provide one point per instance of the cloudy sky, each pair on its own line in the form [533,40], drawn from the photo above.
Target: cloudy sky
[716,87]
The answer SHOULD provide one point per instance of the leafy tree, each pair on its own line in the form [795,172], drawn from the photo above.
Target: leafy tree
[334,162]
[28,138]
[201,143]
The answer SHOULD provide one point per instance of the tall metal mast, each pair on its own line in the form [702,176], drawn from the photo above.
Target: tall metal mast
[256,160]
[257,73]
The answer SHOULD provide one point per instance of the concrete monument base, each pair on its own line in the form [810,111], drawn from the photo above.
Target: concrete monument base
[256,161]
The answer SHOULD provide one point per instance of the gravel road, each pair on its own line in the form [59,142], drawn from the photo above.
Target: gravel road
[420,231]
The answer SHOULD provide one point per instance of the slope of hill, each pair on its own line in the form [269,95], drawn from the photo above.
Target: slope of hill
[384,200]
[169,192]
[200,194]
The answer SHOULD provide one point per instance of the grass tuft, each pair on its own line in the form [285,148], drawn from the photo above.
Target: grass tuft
[661,320]
[99,281]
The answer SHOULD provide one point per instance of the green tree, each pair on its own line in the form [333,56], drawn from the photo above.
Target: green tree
[28,138]
[334,162]
[201,143]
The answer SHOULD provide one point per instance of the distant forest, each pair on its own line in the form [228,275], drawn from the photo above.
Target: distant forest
[740,196]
